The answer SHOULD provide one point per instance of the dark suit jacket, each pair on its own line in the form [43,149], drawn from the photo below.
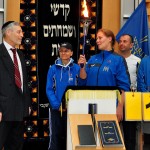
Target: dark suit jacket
[14,104]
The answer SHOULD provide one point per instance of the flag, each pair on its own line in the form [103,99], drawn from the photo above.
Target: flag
[137,27]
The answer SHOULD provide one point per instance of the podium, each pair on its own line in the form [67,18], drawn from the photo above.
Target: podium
[77,114]
[85,119]
[74,121]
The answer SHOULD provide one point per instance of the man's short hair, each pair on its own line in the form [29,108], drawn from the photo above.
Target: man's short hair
[131,37]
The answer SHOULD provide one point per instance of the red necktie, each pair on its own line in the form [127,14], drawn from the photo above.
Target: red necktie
[16,68]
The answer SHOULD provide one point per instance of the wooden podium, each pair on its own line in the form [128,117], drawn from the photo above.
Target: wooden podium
[85,119]
[77,109]
[74,121]
[107,117]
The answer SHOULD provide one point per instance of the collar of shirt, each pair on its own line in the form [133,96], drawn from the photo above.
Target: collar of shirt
[8,47]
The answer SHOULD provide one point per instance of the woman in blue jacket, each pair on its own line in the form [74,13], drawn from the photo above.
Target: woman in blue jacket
[106,68]
[60,75]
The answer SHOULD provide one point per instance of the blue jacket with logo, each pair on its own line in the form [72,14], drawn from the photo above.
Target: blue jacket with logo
[107,69]
[58,78]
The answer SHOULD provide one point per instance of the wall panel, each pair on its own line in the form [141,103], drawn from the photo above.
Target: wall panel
[13,10]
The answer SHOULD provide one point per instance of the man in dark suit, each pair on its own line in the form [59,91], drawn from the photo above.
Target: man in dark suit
[14,100]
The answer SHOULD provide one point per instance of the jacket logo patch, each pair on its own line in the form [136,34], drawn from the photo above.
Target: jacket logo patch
[106,69]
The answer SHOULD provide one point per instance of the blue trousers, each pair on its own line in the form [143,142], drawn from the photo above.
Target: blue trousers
[58,130]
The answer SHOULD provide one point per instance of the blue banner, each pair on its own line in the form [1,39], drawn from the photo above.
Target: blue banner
[137,26]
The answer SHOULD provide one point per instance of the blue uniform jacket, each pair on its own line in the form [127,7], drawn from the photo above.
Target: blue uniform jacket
[58,78]
[143,76]
[107,69]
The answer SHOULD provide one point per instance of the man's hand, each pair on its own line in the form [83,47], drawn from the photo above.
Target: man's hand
[119,112]
[0,116]
[120,107]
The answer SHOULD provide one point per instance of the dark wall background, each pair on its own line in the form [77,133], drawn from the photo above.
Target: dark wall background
[58,21]
[40,21]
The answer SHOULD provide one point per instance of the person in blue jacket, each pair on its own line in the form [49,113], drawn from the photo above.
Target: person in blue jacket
[60,75]
[143,85]
[106,68]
